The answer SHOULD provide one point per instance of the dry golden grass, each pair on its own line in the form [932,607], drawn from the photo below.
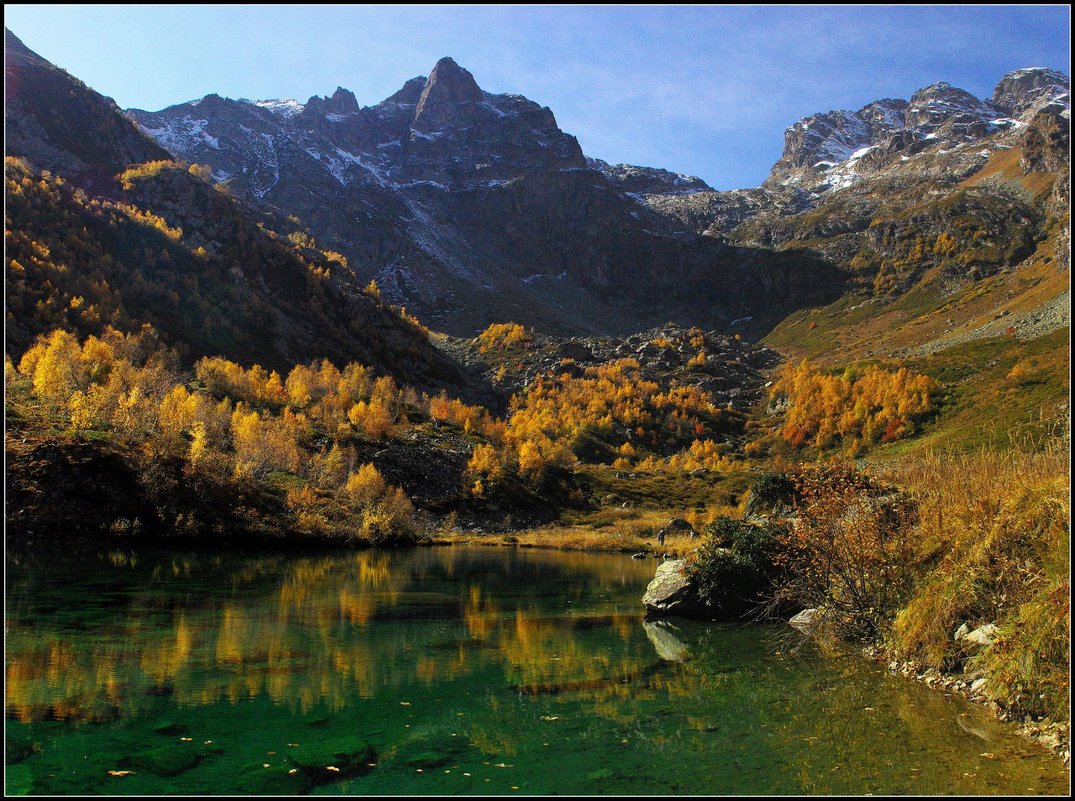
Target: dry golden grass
[623,530]
[993,536]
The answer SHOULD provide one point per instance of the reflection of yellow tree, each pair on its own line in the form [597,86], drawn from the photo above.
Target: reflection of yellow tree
[307,641]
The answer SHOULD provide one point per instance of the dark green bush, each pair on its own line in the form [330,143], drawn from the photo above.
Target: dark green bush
[769,491]
[734,568]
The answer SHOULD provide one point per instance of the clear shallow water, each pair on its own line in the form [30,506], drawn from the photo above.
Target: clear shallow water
[450,670]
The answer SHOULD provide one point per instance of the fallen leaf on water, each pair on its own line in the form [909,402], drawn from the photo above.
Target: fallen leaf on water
[988,755]
[292,745]
[404,703]
[550,717]
[333,768]
[293,771]
[120,772]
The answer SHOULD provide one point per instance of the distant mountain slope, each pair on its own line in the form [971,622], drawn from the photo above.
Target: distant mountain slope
[469,207]
[92,244]
[56,122]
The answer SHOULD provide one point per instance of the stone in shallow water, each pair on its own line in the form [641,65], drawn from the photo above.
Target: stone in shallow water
[806,621]
[18,780]
[18,747]
[337,758]
[671,592]
[432,750]
[170,727]
[256,779]
[168,761]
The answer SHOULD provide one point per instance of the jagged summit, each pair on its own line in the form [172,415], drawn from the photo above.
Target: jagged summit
[1020,89]
[834,149]
[341,102]
[449,94]
[468,206]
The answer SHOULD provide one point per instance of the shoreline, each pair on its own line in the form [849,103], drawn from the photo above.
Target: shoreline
[1050,735]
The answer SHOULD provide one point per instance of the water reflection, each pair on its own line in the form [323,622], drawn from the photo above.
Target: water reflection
[463,660]
[315,630]
[662,634]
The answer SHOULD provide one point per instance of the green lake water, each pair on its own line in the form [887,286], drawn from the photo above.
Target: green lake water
[450,670]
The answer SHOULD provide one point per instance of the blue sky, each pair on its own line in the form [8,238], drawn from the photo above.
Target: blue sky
[705,90]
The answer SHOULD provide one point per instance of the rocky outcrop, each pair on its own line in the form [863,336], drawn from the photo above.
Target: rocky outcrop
[648,180]
[671,592]
[733,370]
[806,621]
[1021,89]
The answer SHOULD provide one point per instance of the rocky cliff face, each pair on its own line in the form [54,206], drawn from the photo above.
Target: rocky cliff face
[854,188]
[469,208]
[898,187]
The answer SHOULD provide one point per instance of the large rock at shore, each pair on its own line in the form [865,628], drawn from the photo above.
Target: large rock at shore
[671,592]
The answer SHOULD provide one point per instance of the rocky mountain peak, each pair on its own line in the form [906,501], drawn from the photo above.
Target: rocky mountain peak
[448,92]
[883,116]
[341,103]
[1020,89]
[830,137]
[936,104]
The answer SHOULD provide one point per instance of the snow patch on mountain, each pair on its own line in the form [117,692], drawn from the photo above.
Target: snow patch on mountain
[180,135]
[286,108]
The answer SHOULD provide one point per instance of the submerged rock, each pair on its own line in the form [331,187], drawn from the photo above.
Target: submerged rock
[256,779]
[333,759]
[167,761]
